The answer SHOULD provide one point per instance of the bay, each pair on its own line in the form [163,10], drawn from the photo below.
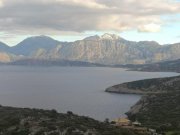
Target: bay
[76,89]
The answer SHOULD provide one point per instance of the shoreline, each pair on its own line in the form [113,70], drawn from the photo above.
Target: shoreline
[157,94]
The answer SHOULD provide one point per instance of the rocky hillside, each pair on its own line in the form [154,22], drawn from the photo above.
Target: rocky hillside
[24,121]
[159,111]
[106,49]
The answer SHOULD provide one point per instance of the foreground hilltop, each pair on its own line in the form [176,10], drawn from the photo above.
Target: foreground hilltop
[24,121]
[107,49]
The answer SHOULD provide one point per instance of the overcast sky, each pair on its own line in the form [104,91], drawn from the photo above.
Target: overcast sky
[69,20]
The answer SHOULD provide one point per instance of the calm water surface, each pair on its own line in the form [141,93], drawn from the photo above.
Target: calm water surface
[78,89]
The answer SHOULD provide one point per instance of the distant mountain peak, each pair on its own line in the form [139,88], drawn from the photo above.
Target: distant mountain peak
[32,44]
[108,36]
[39,37]
[95,37]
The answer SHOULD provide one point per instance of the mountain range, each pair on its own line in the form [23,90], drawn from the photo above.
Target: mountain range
[108,49]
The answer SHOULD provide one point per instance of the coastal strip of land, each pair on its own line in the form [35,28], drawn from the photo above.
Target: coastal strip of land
[148,86]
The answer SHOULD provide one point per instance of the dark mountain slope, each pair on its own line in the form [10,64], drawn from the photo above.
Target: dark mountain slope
[30,45]
[4,47]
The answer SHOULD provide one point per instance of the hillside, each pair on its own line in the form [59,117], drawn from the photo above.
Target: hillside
[24,121]
[158,111]
[108,49]
[159,108]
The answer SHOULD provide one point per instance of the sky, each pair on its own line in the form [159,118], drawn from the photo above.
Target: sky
[70,20]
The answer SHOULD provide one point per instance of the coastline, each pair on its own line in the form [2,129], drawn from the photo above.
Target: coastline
[160,98]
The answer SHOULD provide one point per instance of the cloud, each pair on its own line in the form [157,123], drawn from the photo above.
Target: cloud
[57,16]
[88,4]
[1,3]
[150,28]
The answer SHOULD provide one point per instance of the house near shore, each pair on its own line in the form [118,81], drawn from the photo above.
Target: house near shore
[122,122]
[135,126]
[126,122]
